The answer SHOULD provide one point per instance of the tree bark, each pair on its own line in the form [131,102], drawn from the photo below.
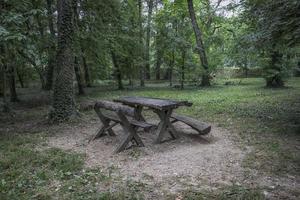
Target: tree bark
[12,85]
[20,78]
[148,37]
[159,49]
[200,47]
[6,107]
[117,71]
[171,69]
[38,70]
[275,80]
[63,106]
[142,67]
[78,76]
[158,64]
[86,70]
[182,69]
[52,48]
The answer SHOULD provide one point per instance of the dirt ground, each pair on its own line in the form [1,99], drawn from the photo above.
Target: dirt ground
[190,162]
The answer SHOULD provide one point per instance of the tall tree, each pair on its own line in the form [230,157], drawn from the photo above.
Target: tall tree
[142,68]
[274,31]
[117,71]
[63,95]
[200,47]
[51,49]
[77,49]
[148,37]
[12,84]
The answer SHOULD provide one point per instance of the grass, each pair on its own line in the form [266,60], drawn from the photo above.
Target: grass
[27,172]
[267,119]
[235,192]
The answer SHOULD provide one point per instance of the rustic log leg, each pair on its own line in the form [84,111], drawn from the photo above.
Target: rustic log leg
[100,132]
[105,123]
[160,131]
[138,113]
[130,133]
[165,125]
[172,131]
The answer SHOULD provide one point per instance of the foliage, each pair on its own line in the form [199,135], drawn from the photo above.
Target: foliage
[274,33]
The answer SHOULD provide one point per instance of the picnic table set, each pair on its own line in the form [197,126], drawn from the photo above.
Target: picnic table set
[127,111]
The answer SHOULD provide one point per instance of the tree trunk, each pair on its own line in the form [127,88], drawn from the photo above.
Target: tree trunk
[78,76]
[275,80]
[142,68]
[6,107]
[200,47]
[182,70]
[148,36]
[63,94]
[246,71]
[159,49]
[297,74]
[117,71]
[52,48]
[157,67]
[12,85]
[171,69]
[38,70]
[20,78]
[86,70]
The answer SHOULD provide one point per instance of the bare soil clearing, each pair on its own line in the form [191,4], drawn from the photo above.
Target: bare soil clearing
[192,161]
[214,159]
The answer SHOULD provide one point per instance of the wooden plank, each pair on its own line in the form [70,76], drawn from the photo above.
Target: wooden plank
[132,121]
[113,106]
[160,104]
[202,127]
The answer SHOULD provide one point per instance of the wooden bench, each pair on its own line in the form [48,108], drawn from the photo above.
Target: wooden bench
[201,127]
[123,115]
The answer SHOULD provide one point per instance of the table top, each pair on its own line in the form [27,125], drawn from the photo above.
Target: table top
[155,103]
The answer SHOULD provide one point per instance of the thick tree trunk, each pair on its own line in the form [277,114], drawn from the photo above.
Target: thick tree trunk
[200,47]
[12,85]
[63,94]
[52,48]
[148,36]
[142,67]
[78,76]
[117,71]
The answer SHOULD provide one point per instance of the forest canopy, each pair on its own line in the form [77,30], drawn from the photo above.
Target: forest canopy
[50,43]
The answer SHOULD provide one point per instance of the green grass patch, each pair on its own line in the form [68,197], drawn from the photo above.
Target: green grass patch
[233,192]
[29,172]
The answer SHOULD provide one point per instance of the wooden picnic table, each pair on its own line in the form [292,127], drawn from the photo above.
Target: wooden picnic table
[162,107]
